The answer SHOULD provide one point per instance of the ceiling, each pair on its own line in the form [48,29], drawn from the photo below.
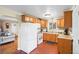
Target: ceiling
[39,10]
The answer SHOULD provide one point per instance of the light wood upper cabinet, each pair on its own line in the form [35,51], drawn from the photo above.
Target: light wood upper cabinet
[68,19]
[60,23]
[25,18]
[38,21]
[44,23]
[28,19]
[31,19]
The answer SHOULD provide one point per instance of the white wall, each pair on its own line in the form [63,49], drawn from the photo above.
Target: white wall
[75,30]
[8,12]
[14,28]
[12,16]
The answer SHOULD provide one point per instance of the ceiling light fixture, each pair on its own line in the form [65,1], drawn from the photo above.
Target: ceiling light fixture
[48,14]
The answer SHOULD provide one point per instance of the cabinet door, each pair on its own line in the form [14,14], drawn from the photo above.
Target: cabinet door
[60,23]
[31,20]
[52,37]
[61,44]
[45,36]
[23,18]
[68,19]
[27,18]
[34,20]
[68,46]
[37,21]
[1,49]
[43,23]
[64,46]
[46,23]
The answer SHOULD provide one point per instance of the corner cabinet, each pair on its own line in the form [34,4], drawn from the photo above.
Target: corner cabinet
[65,46]
[68,19]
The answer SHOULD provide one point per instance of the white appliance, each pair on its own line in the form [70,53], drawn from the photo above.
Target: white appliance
[40,38]
[28,37]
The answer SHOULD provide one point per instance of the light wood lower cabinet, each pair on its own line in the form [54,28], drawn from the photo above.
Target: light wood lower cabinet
[50,37]
[8,48]
[65,46]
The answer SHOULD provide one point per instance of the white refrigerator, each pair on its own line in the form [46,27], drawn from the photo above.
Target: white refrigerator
[28,37]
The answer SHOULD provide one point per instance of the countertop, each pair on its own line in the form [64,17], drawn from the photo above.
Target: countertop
[51,32]
[62,36]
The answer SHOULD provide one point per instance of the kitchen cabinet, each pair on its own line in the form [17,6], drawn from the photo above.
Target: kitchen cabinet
[43,23]
[50,37]
[8,48]
[25,18]
[64,46]
[38,21]
[34,20]
[28,19]
[60,23]
[68,19]
[45,36]
[31,19]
